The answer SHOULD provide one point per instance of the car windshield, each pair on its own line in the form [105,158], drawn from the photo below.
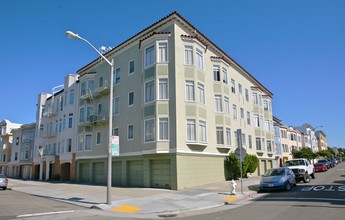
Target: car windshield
[2,176]
[294,163]
[274,172]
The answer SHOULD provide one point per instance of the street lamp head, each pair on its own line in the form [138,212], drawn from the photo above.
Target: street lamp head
[71,35]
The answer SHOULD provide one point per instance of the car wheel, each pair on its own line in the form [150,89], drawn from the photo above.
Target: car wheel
[306,178]
[288,186]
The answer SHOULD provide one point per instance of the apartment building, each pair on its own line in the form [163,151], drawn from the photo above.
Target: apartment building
[310,139]
[20,165]
[321,140]
[6,138]
[55,136]
[178,102]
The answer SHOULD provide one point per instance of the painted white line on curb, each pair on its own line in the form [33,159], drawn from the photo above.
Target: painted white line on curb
[44,213]
[304,199]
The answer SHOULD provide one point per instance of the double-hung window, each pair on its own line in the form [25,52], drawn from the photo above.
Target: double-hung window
[149,91]
[203,131]
[131,67]
[233,86]
[218,103]
[234,107]
[248,118]
[163,129]
[163,52]
[191,130]
[216,73]
[116,107]
[188,55]
[201,89]
[226,105]
[228,136]
[149,130]
[190,96]
[130,132]
[200,59]
[88,142]
[256,121]
[225,75]
[117,76]
[149,55]
[163,89]
[130,98]
[220,135]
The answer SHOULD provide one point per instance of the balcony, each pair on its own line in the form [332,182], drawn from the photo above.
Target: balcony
[95,120]
[102,89]
[49,113]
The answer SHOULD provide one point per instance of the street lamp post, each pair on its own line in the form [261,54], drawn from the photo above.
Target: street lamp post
[71,35]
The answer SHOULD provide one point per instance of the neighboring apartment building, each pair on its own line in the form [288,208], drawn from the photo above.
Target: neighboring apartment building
[6,139]
[321,140]
[309,136]
[295,137]
[22,152]
[55,139]
[178,102]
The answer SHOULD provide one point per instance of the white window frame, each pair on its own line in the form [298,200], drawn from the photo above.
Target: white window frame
[116,107]
[117,76]
[149,95]
[218,106]
[162,52]
[200,59]
[149,137]
[188,55]
[130,132]
[190,91]
[163,129]
[149,60]
[129,67]
[203,131]
[201,92]
[226,105]
[163,89]
[225,75]
[130,98]
[191,130]
[220,135]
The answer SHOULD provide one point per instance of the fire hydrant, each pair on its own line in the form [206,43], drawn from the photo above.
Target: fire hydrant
[233,187]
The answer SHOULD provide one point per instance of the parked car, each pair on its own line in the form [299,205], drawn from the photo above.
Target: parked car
[328,164]
[3,182]
[320,167]
[331,161]
[302,168]
[278,178]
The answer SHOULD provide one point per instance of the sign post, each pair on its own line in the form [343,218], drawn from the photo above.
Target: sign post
[240,153]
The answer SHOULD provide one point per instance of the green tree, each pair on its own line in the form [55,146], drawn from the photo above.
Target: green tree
[304,153]
[324,153]
[254,163]
[232,165]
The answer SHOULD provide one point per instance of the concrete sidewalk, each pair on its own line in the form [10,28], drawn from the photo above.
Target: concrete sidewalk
[140,202]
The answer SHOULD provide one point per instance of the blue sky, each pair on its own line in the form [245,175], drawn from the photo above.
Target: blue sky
[295,48]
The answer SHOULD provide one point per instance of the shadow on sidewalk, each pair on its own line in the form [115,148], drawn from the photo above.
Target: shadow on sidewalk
[72,199]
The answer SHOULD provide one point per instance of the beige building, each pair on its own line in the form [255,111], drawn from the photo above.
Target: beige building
[6,139]
[179,101]
[321,140]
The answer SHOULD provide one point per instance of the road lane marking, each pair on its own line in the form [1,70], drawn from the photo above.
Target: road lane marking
[126,208]
[307,199]
[44,213]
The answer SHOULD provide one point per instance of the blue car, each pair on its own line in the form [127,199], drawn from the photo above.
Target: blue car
[278,178]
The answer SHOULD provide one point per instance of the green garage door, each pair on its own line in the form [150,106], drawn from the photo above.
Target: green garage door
[135,173]
[98,174]
[84,172]
[160,174]
[116,174]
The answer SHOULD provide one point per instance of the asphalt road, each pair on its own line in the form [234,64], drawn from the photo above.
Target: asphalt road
[322,198]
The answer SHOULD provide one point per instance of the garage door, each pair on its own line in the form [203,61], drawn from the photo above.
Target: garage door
[84,172]
[117,174]
[98,174]
[160,174]
[135,173]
